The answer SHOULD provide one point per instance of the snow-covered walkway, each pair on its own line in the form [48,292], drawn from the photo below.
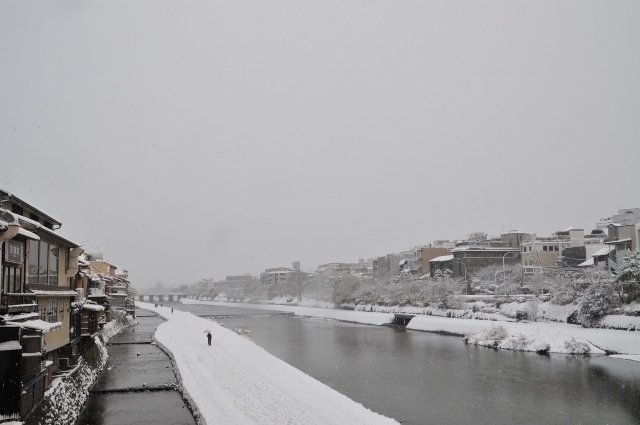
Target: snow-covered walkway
[236,382]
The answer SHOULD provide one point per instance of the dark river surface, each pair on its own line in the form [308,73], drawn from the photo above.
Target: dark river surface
[425,378]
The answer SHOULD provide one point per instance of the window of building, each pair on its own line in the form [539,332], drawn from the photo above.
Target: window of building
[62,311]
[556,248]
[16,209]
[11,278]
[34,255]
[43,257]
[34,217]
[43,263]
[53,265]
[53,310]
[48,225]
[544,247]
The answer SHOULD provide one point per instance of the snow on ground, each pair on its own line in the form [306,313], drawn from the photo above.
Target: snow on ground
[556,334]
[620,321]
[627,357]
[236,382]
[555,312]
[324,313]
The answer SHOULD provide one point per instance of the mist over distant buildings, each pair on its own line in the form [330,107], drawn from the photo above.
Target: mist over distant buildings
[200,140]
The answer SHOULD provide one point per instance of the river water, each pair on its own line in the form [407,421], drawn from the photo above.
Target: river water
[425,378]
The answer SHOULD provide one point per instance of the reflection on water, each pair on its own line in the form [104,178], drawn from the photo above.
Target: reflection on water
[424,378]
[160,407]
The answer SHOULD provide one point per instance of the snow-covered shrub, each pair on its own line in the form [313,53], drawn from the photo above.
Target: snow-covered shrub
[531,309]
[598,301]
[491,337]
[576,347]
[489,310]
[516,342]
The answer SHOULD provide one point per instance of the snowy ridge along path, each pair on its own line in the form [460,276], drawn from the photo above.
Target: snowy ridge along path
[236,382]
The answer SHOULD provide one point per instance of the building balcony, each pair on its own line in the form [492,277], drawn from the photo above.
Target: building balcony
[18,303]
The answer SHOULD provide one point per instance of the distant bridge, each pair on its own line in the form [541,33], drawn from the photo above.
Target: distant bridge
[163,297]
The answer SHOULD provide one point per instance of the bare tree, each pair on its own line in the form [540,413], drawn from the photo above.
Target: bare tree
[297,283]
[494,279]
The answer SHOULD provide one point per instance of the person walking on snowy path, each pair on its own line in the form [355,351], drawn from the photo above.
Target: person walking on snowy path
[209,337]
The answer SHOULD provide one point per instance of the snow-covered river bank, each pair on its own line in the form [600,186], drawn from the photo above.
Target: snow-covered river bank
[236,382]
[424,377]
[555,334]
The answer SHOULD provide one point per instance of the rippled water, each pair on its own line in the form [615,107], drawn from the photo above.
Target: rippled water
[425,378]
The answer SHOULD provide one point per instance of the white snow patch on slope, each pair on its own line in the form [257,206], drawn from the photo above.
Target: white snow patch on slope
[324,313]
[627,357]
[556,334]
[236,382]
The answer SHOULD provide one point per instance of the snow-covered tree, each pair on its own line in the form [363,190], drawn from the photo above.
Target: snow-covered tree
[629,275]
[565,287]
[345,289]
[599,299]
[445,291]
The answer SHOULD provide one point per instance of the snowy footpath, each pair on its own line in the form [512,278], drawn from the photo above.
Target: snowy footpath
[556,334]
[234,381]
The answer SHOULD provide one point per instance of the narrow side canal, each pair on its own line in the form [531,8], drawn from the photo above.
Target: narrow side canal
[138,385]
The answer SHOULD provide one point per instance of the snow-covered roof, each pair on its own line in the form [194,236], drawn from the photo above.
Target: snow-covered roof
[587,263]
[22,231]
[92,307]
[29,205]
[28,234]
[603,251]
[62,293]
[17,317]
[619,241]
[118,294]
[442,258]
[484,248]
[10,346]
[40,227]
[571,228]
[41,325]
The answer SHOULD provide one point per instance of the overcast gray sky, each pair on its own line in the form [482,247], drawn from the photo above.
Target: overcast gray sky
[190,140]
